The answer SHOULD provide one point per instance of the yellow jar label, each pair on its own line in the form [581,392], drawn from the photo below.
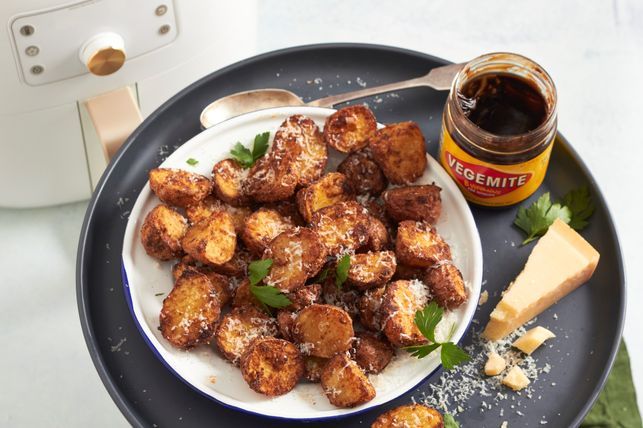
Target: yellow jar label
[490,184]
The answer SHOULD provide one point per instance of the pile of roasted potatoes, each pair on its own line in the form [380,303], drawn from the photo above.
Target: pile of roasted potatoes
[287,208]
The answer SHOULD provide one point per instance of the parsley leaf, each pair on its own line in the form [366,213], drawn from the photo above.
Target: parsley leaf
[245,156]
[579,202]
[258,270]
[536,219]
[341,271]
[192,161]
[159,294]
[270,296]
[426,321]
[321,276]
[450,422]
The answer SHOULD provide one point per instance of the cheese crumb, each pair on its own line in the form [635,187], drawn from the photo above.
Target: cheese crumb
[516,379]
[484,296]
[532,339]
[495,365]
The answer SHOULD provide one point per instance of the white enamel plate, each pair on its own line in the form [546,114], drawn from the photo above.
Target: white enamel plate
[203,368]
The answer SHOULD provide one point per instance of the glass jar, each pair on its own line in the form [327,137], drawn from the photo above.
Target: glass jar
[497,153]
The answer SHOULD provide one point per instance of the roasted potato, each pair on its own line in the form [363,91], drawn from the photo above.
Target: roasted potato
[220,283]
[190,312]
[227,179]
[237,266]
[178,187]
[371,269]
[304,296]
[349,128]
[401,301]
[363,173]
[369,308]
[244,297]
[410,416]
[419,203]
[210,205]
[328,190]
[162,231]
[296,255]
[239,328]
[375,208]
[446,285]
[408,272]
[211,241]
[419,245]
[285,321]
[342,227]
[344,382]
[272,366]
[378,236]
[261,227]
[372,354]
[313,367]
[345,297]
[323,330]
[399,150]
[289,210]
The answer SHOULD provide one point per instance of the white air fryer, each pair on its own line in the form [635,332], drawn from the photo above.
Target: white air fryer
[77,77]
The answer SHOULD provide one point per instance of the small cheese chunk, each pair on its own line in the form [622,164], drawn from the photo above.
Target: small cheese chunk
[531,340]
[515,379]
[495,365]
[559,263]
[484,296]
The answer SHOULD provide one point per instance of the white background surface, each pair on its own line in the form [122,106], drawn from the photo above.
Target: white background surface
[592,49]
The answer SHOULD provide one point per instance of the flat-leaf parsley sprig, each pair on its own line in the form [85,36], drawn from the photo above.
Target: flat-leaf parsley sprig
[426,321]
[341,270]
[247,158]
[268,295]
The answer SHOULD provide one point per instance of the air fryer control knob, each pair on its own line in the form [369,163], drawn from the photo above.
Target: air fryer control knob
[103,54]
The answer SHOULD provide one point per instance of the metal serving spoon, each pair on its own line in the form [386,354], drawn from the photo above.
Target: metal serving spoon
[232,105]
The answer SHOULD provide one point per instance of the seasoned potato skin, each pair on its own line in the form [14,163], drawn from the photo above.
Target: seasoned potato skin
[239,327]
[272,366]
[289,210]
[342,227]
[312,154]
[328,190]
[313,367]
[219,282]
[179,188]
[369,305]
[349,128]
[244,297]
[190,312]
[371,269]
[162,231]
[410,416]
[237,266]
[261,227]
[285,321]
[324,329]
[446,285]
[304,296]
[401,300]
[204,209]
[408,272]
[419,203]
[399,150]
[345,297]
[419,245]
[296,256]
[211,241]
[363,173]
[344,382]
[372,354]
[227,182]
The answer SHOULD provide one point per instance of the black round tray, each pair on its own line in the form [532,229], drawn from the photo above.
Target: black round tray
[588,322]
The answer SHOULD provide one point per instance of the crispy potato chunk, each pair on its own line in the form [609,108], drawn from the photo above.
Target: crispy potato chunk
[408,272]
[244,297]
[372,354]
[312,154]
[272,366]
[323,330]
[371,269]
[328,190]
[237,266]
[227,179]
[369,308]
[401,300]
[261,227]
[178,187]
[190,312]
[296,256]
[212,240]
[313,367]
[419,203]
[210,205]
[446,285]
[399,150]
[304,296]
[378,236]
[344,383]
[239,328]
[419,245]
[219,282]
[345,298]
[162,232]
[289,210]
[363,173]
[349,128]
[285,321]
[342,227]
[410,416]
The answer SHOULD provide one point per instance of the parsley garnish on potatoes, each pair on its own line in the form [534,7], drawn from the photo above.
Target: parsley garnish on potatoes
[268,295]
[247,158]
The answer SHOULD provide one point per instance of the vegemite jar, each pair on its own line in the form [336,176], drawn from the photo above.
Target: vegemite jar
[498,128]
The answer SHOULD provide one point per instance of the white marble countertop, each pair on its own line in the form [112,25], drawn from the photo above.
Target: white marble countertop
[592,49]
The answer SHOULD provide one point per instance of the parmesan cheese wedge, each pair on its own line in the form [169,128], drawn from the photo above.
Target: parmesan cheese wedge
[495,365]
[559,263]
[532,339]
[515,379]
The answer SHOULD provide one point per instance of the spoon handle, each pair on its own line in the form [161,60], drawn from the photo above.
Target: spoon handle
[439,78]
